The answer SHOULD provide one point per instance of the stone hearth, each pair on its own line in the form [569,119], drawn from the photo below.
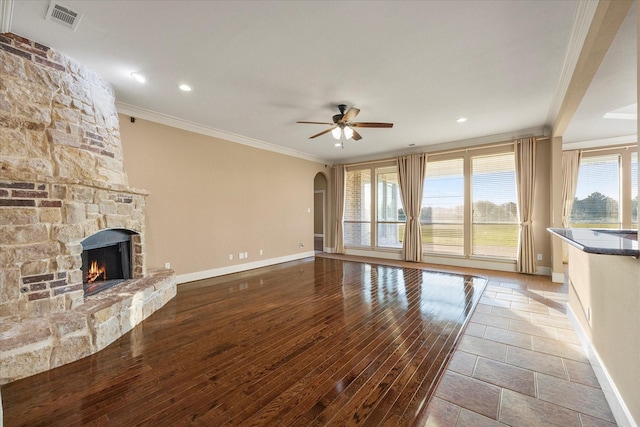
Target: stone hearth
[36,344]
[62,179]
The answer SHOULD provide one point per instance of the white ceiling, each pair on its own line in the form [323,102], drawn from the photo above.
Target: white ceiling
[613,88]
[257,67]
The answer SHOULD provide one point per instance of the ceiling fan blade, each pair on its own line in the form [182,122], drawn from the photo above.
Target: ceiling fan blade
[317,123]
[356,136]
[350,114]
[371,125]
[323,132]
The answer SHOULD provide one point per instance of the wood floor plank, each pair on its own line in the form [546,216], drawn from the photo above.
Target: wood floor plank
[312,342]
[369,376]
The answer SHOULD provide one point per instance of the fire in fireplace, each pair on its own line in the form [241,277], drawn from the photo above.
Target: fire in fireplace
[106,260]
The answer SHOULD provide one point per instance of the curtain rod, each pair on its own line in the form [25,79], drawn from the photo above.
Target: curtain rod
[613,147]
[373,162]
[459,150]
[489,145]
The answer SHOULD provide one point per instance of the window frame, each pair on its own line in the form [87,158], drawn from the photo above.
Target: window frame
[467,155]
[476,225]
[626,184]
[373,207]
[352,221]
[444,158]
[400,230]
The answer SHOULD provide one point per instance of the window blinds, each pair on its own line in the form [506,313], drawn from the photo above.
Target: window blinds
[442,212]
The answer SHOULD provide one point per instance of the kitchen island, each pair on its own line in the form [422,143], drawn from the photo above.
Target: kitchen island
[604,305]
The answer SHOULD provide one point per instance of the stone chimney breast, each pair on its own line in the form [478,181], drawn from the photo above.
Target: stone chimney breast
[62,180]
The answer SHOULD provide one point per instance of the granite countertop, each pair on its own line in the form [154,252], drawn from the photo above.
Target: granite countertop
[605,242]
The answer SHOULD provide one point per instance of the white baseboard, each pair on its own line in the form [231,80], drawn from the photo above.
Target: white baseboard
[395,255]
[207,274]
[544,271]
[616,403]
[452,261]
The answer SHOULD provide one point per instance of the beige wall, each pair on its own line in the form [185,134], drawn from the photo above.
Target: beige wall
[606,286]
[542,205]
[210,198]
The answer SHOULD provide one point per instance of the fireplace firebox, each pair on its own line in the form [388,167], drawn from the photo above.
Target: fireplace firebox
[106,260]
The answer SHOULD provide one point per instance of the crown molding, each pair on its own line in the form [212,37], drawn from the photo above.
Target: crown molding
[6,15]
[579,30]
[165,119]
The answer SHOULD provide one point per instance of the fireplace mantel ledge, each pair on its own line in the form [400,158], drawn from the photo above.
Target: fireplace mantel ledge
[33,345]
[69,181]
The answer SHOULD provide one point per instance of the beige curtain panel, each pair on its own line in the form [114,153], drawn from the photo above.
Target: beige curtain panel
[338,190]
[570,168]
[411,172]
[525,179]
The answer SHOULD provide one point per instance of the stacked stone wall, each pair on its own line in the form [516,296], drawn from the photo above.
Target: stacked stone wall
[62,177]
[57,118]
[62,180]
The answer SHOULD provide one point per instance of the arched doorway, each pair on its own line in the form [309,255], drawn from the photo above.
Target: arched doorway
[319,211]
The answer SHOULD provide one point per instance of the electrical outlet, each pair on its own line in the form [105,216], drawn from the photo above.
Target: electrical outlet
[167,265]
[539,257]
[241,255]
[246,255]
[260,251]
[230,257]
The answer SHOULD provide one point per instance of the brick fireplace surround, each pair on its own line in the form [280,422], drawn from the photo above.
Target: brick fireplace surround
[62,180]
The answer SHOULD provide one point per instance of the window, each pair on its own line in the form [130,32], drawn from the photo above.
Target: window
[469,205]
[634,189]
[390,215]
[373,219]
[495,214]
[597,199]
[357,208]
[442,211]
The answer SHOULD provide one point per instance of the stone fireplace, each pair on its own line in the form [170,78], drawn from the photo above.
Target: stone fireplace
[64,198]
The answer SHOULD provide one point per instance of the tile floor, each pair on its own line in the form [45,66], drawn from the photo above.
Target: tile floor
[519,363]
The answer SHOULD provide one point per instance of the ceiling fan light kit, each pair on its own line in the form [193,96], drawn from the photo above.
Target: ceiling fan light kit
[343,126]
[348,132]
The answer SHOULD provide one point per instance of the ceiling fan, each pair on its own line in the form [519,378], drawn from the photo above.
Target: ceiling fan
[342,124]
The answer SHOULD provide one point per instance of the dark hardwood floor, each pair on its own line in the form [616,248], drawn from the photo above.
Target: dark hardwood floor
[312,342]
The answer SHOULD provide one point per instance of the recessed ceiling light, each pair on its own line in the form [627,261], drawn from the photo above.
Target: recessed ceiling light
[139,77]
[185,87]
[461,120]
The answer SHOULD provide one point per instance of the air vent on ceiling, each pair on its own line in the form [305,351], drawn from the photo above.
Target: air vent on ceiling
[63,15]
